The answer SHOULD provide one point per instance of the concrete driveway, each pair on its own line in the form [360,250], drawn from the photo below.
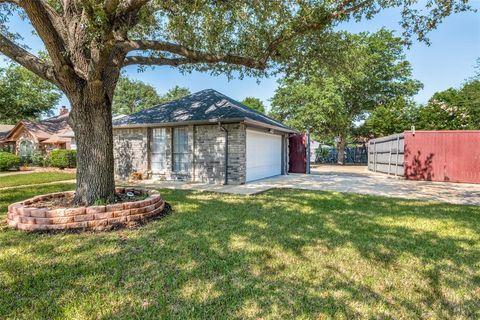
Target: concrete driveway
[345,179]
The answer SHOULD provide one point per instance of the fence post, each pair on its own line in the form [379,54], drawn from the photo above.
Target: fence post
[389,156]
[396,161]
[374,156]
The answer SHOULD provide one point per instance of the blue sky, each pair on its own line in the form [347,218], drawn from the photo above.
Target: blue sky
[447,62]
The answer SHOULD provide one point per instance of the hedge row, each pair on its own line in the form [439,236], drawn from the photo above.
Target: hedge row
[62,158]
[59,158]
[8,161]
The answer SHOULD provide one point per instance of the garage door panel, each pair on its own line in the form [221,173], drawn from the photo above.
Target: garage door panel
[264,155]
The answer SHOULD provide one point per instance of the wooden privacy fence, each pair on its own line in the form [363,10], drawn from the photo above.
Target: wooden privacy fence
[386,154]
[452,156]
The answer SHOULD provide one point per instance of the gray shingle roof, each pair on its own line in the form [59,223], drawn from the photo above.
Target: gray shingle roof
[205,105]
[4,130]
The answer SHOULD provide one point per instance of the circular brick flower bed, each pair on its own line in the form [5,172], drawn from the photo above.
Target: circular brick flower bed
[29,215]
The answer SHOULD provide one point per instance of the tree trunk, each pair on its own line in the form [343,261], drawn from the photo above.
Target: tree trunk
[341,150]
[91,120]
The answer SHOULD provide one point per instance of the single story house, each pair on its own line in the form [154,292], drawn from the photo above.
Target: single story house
[205,137]
[27,138]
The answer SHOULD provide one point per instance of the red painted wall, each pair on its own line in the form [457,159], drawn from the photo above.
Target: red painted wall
[297,150]
[452,156]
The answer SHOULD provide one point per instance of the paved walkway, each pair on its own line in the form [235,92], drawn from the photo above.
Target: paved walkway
[356,180]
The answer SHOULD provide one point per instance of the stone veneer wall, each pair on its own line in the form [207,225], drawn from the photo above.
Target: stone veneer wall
[130,149]
[207,154]
[237,152]
[24,217]
[210,153]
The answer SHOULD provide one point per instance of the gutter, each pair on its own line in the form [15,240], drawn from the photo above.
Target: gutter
[177,123]
[266,125]
[200,122]
[226,151]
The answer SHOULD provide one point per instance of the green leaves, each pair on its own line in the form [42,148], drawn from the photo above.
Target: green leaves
[133,95]
[329,92]
[451,109]
[254,103]
[24,96]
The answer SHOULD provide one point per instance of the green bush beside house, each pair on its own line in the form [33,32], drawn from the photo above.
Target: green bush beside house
[62,158]
[8,161]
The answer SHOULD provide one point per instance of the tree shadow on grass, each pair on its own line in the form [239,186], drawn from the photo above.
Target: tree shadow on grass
[281,254]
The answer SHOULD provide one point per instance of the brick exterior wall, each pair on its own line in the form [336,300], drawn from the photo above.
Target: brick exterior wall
[237,152]
[207,154]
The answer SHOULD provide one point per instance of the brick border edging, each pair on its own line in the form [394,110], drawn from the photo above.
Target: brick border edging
[22,216]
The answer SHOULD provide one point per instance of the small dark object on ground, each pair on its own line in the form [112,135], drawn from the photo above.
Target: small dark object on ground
[125,197]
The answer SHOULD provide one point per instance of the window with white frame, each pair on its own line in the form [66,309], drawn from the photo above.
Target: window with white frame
[159,150]
[181,150]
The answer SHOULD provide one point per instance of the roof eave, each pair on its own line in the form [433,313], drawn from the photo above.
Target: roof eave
[177,123]
[266,125]
[200,122]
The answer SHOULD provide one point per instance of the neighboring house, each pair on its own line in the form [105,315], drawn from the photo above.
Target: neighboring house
[193,138]
[4,130]
[42,136]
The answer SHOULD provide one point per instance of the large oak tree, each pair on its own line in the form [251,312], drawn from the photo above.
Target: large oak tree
[89,41]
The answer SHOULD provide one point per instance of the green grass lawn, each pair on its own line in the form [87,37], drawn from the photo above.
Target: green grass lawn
[282,254]
[34,178]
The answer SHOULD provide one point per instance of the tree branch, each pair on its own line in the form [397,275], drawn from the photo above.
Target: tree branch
[194,56]
[17,2]
[131,5]
[27,60]
[41,20]
[285,35]
[155,61]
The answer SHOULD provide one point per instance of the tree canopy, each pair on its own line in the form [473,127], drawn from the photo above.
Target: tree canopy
[24,96]
[175,93]
[371,70]
[451,109]
[394,117]
[254,103]
[89,42]
[134,95]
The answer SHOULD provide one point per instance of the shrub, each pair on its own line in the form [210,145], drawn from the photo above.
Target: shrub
[8,160]
[62,158]
[39,160]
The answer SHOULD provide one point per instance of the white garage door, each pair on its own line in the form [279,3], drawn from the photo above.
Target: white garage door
[264,155]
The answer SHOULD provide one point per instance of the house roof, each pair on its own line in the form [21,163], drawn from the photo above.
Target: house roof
[44,129]
[5,129]
[56,139]
[206,106]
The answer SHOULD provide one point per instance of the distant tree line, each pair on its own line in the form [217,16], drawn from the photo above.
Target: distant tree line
[24,96]
[451,109]
[134,95]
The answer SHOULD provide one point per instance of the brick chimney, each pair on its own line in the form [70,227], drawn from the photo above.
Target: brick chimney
[63,110]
